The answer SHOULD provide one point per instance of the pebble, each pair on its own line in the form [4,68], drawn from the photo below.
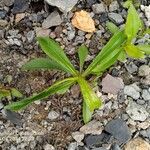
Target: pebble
[2,34]
[132,90]
[78,136]
[100,148]
[49,147]
[20,6]
[72,146]
[136,112]
[146,94]
[147,13]
[137,144]
[53,19]
[19,17]
[113,6]
[42,32]
[64,6]
[98,8]
[3,23]
[131,67]
[116,18]
[30,36]
[115,147]
[53,115]
[2,14]
[75,91]
[144,71]
[93,127]
[6,2]
[119,130]
[115,86]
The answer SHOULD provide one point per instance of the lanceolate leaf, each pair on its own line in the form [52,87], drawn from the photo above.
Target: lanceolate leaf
[112,27]
[107,61]
[16,93]
[4,93]
[89,96]
[55,52]
[133,51]
[145,48]
[87,114]
[115,42]
[82,52]
[58,86]
[133,23]
[42,63]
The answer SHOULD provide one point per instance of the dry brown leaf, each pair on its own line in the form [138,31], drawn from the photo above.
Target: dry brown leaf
[83,21]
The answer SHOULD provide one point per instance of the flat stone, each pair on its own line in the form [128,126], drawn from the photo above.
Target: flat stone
[115,86]
[53,19]
[20,6]
[30,36]
[116,18]
[132,90]
[115,147]
[72,146]
[146,95]
[64,6]
[137,144]
[3,23]
[42,32]
[136,112]
[98,8]
[78,136]
[93,127]
[131,67]
[144,71]
[53,115]
[119,130]
[113,6]
[49,147]
[6,3]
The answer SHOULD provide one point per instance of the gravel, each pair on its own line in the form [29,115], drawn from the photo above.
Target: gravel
[113,6]
[146,95]
[98,8]
[144,71]
[116,18]
[53,115]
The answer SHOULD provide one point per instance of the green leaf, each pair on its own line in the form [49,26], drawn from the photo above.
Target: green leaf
[58,86]
[87,114]
[112,27]
[122,56]
[56,53]
[82,52]
[145,48]
[107,61]
[133,23]
[16,93]
[115,42]
[89,96]
[42,63]
[127,3]
[4,93]
[133,51]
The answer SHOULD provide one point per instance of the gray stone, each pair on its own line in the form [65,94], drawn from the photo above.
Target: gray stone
[30,36]
[146,95]
[100,148]
[3,23]
[131,67]
[20,6]
[140,102]
[116,18]
[72,146]
[6,3]
[136,112]
[71,35]
[115,147]
[144,71]
[115,86]
[98,8]
[78,136]
[53,19]
[64,6]
[1,34]
[119,130]
[49,147]
[53,115]
[2,14]
[114,6]
[132,91]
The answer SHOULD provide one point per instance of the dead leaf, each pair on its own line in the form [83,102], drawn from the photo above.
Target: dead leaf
[83,21]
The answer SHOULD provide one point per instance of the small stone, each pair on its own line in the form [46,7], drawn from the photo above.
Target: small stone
[131,67]
[72,146]
[119,130]
[137,144]
[30,36]
[146,95]
[93,127]
[75,91]
[115,147]
[3,14]
[52,20]
[83,21]
[132,91]
[140,102]
[147,13]
[136,112]
[115,86]
[20,6]
[19,17]
[116,18]
[6,2]
[3,23]
[78,136]
[144,71]
[113,6]
[53,115]
[49,147]
[64,6]
[71,35]
[2,34]
[98,8]
[100,148]
[40,32]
